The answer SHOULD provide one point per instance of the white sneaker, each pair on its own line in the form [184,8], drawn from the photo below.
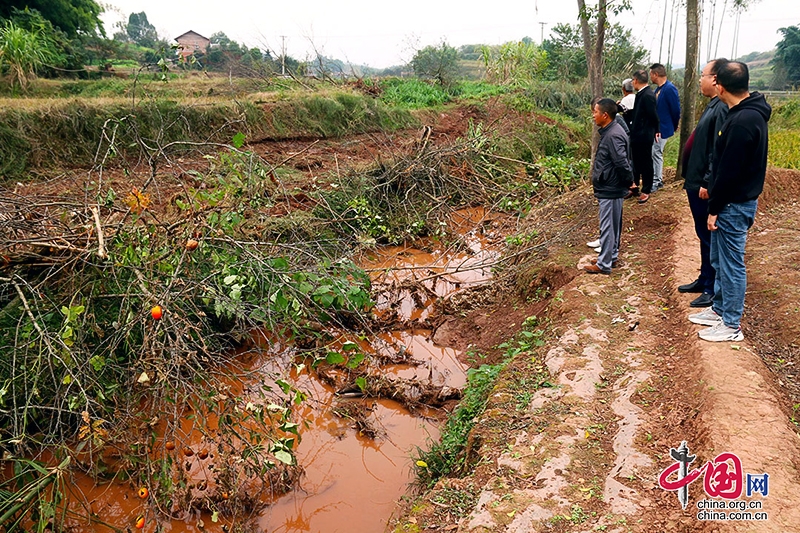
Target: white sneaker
[598,249]
[707,317]
[593,244]
[721,333]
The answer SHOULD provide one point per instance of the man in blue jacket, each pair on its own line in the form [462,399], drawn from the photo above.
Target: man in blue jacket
[612,177]
[668,104]
[737,179]
[697,174]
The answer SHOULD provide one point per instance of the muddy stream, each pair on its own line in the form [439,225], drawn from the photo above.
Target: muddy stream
[350,482]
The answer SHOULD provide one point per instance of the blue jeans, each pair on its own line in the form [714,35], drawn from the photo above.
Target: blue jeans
[727,258]
[699,208]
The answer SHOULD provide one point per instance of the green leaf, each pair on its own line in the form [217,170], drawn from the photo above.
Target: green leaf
[98,362]
[229,280]
[238,140]
[361,381]
[355,360]
[279,263]
[284,457]
[299,397]
[290,427]
[285,387]
[67,380]
[349,346]
[334,358]
[323,289]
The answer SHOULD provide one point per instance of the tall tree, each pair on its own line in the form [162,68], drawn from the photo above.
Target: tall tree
[437,62]
[786,63]
[593,48]
[566,59]
[690,75]
[140,30]
[690,91]
[73,17]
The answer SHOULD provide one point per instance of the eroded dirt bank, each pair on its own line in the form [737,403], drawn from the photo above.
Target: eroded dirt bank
[631,380]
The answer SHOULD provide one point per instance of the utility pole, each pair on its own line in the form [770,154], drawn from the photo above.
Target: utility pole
[541,40]
[283,55]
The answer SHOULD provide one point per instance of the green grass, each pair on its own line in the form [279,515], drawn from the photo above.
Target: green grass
[784,149]
[146,84]
[417,94]
[413,93]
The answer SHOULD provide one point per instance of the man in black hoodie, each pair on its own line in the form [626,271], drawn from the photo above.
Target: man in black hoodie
[737,179]
[697,171]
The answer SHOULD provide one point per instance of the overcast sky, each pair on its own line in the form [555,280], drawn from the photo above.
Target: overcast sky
[385,34]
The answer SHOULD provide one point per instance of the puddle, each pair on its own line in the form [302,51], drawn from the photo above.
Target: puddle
[411,279]
[439,365]
[350,482]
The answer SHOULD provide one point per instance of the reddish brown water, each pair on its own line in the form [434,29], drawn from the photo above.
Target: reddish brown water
[351,483]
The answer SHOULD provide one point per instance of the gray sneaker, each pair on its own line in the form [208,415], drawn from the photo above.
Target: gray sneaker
[706,317]
[721,333]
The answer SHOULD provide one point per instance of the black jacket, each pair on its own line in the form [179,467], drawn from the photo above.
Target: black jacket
[740,154]
[645,117]
[697,168]
[611,173]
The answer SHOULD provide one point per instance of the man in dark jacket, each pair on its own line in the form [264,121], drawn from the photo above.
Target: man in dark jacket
[697,171]
[737,179]
[643,133]
[611,180]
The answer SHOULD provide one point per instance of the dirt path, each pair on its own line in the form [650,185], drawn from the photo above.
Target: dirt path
[631,380]
[742,410]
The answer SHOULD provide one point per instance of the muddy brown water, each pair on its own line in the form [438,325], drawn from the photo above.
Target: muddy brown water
[350,482]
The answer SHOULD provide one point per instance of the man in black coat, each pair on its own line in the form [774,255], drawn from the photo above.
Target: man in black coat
[737,180]
[644,127]
[697,173]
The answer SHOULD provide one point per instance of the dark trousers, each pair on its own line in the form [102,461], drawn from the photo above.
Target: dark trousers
[699,209]
[610,231]
[642,155]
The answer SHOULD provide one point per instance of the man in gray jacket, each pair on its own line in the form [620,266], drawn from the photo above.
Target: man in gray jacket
[612,177]
[697,171]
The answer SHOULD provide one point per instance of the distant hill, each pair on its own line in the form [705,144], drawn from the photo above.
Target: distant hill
[760,68]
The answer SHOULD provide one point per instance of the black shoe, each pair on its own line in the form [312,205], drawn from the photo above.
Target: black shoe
[704,300]
[694,286]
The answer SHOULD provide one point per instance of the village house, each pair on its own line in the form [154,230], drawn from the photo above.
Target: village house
[192,43]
